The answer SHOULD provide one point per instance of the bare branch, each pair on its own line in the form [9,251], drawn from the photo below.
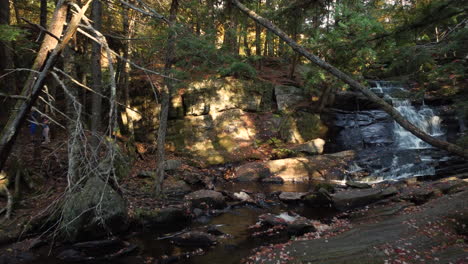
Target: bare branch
[41,28]
[150,13]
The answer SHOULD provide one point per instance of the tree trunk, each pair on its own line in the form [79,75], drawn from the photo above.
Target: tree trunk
[43,18]
[230,29]
[96,73]
[128,26]
[167,91]
[6,62]
[452,148]
[33,89]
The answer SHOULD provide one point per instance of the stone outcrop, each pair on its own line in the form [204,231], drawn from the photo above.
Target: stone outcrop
[322,167]
[288,97]
[214,96]
[300,127]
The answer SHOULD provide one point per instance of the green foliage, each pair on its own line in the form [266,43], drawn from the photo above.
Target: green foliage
[10,33]
[239,70]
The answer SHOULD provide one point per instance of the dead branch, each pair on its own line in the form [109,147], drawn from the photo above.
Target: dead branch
[41,28]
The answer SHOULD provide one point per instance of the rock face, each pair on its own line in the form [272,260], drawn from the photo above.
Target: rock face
[217,121]
[363,129]
[300,127]
[206,199]
[210,96]
[81,219]
[288,97]
[217,138]
[323,167]
[350,199]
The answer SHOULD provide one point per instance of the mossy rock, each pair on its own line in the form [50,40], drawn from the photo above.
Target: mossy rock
[300,127]
[93,212]
[168,216]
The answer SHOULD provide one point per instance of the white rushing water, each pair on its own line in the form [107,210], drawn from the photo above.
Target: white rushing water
[424,118]
[403,164]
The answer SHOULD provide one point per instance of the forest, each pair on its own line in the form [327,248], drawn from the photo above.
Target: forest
[233,131]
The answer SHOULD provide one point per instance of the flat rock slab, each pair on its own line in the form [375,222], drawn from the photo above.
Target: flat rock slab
[206,199]
[350,199]
[291,196]
[410,236]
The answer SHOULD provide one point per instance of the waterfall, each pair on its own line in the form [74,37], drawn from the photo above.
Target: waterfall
[410,156]
[424,119]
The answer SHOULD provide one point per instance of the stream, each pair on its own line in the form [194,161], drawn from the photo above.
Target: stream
[236,243]
[386,152]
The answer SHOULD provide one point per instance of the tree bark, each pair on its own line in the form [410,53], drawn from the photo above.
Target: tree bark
[96,74]
[452,148]
[230,29]
[43,18]
[128,26]
[167,91]
[6,54]
[10,131]
[43,15]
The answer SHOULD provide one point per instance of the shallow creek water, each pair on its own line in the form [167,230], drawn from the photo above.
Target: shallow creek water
[236,245]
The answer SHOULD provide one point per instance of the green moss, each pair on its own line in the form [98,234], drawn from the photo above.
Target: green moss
[299,127]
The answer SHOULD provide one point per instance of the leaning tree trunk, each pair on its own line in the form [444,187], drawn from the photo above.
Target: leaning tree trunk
[167,90]
[34,84]
[452,148]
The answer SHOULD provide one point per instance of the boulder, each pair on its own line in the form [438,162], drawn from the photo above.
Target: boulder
[291,196]
[194,239]
[321,198]
[242,196]
[314,146]
[350,199]
[172,164]
[299,169]
[206,199]
[82,220]
[174,187]
[253,171]
[168,216]
[293,224]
